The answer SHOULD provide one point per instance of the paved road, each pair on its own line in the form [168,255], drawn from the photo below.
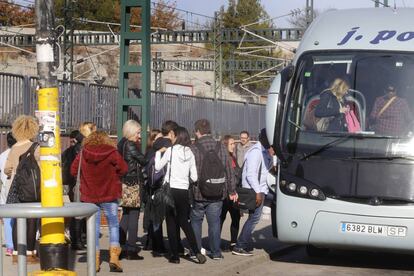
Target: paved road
[271,258]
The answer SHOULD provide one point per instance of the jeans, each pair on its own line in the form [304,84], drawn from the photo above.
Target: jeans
[212,210]
[8,236]
[111,213]
[248,228]
[129,228]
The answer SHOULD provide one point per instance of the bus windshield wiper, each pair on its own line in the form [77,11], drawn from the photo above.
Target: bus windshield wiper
[392,157]
[328,145]
[341,138]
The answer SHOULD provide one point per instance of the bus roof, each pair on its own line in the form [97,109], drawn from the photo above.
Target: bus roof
[361,29]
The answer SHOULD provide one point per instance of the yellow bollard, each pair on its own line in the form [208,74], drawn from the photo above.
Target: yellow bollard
[52,273]
[53,248]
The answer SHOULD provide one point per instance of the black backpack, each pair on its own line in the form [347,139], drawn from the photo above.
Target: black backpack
[27,178]
[212,178]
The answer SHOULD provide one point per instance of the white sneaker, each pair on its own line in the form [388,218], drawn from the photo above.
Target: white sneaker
[204,251]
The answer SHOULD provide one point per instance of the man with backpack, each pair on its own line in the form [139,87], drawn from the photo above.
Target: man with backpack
[215,182]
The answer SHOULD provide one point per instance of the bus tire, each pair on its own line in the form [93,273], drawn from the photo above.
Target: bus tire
[317,252]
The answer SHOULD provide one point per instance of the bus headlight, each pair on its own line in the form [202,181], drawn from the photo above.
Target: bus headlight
[303,190]
[314,193]
[292,187]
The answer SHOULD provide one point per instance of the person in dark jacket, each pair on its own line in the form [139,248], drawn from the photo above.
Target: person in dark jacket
[100,172]
[228,205]
[332,106]
[127,147]
[68,156]
[77,226]
[203,206]
[154,228]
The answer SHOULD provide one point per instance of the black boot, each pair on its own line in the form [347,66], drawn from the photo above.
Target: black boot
[75,234]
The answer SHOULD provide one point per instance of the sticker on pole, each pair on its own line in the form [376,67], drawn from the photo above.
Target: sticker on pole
[47,127]
[51,183]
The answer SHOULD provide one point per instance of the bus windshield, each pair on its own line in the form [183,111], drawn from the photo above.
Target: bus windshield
[351,105]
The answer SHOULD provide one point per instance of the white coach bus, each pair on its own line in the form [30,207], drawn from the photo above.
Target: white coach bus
[340,187]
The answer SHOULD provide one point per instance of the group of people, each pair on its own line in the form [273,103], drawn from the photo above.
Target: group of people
[390,114]
[175,180]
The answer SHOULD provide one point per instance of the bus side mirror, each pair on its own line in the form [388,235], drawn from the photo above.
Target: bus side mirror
[272,107]
[275,108]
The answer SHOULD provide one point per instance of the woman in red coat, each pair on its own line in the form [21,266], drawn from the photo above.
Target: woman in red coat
[100,172]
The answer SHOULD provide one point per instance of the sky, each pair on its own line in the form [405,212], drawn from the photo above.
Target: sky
[280,7]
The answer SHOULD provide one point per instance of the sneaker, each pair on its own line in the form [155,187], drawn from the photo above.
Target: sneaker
[187,252]
[9,251]
[203,251]
[201,258]
[241,252]
[217,258]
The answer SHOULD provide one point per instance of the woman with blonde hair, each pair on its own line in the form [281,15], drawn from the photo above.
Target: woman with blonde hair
[332,108]
[101,167]
[25,130]
[86,128]
[132,185]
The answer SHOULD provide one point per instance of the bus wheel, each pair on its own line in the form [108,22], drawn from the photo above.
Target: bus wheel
[314,251]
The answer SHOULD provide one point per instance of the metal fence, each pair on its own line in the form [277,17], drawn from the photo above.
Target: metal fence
[83,101]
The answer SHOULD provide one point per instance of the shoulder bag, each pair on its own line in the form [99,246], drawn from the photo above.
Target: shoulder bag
[246,196]
[76,188]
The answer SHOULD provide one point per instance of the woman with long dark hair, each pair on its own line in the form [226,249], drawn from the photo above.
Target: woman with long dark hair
[228,205]
[181,168]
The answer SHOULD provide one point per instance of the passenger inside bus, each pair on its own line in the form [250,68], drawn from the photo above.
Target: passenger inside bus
[391,114]
[330,112]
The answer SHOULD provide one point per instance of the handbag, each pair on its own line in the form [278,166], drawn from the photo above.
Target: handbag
[162,199]
[352,122]
[131,197]
[246,196]
[165,189]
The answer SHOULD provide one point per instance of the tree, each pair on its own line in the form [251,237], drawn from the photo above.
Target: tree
[12,14]
[241,13]
[299,19]
[163,14]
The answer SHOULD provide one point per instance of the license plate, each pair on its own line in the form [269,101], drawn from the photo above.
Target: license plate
[373,229]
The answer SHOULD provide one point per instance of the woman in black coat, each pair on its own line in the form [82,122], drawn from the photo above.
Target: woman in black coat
[128,226]
[331,108]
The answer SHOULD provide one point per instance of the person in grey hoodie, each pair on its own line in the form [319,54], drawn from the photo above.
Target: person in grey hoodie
[181,168]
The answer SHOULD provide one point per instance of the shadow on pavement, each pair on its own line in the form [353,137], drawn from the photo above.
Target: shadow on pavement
[345,258]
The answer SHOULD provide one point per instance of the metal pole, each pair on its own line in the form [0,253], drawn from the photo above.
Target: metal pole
[21,246]
[1,250]
[91,250]
[52,242]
